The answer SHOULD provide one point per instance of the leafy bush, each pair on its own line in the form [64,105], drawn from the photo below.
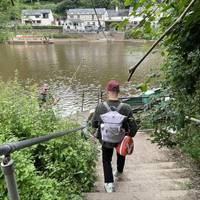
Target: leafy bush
[3,36]
[60,36]
[139,34]
[28,26]
[47,27]
[182,75]
[60,169]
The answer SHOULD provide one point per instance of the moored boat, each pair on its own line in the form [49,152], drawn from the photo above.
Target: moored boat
[140,101]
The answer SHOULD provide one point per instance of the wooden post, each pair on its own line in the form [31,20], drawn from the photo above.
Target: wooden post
[98,96]
[101,96]
[82,103]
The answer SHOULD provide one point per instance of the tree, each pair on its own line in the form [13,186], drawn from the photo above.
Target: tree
[181,69]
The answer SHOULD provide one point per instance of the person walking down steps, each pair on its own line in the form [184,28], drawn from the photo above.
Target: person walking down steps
[113,120]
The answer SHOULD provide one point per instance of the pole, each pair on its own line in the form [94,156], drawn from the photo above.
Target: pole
[8,170]
[83,95]
[101,96]
[98,97]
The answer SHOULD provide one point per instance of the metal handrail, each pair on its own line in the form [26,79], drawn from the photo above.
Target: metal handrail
[7,163]
[193,119]
[9,148]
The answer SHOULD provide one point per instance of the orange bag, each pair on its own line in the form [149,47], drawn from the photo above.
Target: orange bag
[126,146]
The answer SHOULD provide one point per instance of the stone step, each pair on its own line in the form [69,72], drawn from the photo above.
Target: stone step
[146,185]
[146,174]
[162,195]
[157,165]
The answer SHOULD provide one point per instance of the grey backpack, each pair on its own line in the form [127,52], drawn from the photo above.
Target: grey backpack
[111,128]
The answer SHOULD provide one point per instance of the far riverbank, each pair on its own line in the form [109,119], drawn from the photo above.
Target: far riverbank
[65,40]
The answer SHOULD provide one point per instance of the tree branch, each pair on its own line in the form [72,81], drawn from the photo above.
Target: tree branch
[178,20]
[12,2]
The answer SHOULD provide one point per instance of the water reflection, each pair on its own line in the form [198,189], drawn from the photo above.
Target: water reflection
[100,61]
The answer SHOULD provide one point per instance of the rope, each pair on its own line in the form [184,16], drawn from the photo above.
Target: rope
[100,26]
[74,74]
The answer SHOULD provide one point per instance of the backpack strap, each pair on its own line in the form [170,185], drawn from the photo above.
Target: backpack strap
[119,107]
[109,109]
[107,106]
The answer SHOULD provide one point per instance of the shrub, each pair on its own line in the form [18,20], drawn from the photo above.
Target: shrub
[60,169]
[28,26]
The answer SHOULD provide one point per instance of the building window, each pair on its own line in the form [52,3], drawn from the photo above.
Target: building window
[37,16]
[38,22]
[28,22]
[78,16]
[93,23]
[45,15]
[92,17]
[71,16]
[88,23]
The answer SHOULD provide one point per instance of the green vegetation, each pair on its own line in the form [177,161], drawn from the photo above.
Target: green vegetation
[59,6]
[181,76]
[60,169]
[4,7]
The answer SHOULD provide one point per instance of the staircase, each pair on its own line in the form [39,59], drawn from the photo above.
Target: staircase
[150,174]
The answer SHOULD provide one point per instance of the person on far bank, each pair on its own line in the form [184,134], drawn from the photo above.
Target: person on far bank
[113,121]
[46,99]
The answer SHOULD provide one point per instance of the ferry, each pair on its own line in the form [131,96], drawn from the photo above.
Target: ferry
[30,39]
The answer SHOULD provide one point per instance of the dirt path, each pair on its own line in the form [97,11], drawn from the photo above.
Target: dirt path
[150,174]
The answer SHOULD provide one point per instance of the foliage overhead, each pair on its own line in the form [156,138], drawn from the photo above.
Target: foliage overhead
[181,49]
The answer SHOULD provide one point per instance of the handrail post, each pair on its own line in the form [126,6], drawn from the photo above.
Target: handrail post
[82,103]
[98,96]
[101,96]
[7,166]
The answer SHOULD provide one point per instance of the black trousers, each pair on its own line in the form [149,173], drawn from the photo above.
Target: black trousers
[107,154]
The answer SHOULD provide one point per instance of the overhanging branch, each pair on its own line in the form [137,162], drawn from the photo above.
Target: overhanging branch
[179,19]
[12,2]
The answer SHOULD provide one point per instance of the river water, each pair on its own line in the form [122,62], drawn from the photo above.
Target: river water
[73,67]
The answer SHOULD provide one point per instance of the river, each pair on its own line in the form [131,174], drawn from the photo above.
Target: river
[73,67]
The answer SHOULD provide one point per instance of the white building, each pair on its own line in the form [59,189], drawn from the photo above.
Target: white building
[134,21]
[85,19]
[116,16]
[37,17]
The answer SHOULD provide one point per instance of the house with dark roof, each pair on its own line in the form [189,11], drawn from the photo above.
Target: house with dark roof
[135,20]
[83,19]
[38,17]
[116,16]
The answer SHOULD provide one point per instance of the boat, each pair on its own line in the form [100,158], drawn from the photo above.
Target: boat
[30,39]
[142,100]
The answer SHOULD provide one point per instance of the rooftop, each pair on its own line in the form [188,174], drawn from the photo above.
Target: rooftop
[87,11]
[35,12]
[118,13]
